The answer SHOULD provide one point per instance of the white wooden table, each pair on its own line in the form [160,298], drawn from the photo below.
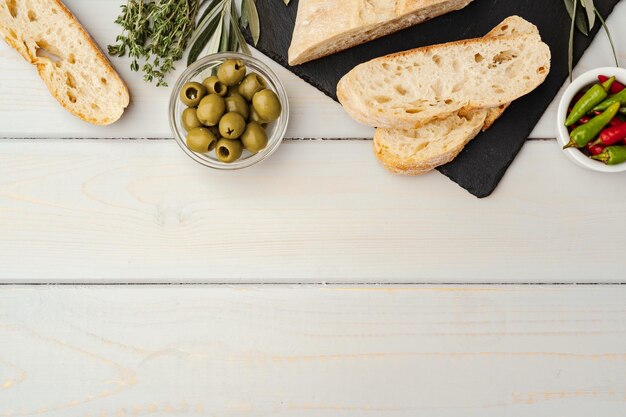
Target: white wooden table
[122,204]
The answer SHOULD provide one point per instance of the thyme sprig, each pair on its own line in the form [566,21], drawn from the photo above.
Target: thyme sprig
[155,33]
[583,14]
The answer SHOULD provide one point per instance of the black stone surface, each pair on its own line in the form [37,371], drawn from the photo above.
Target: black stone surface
[484,161]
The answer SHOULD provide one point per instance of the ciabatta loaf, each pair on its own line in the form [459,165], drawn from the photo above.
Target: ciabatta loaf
[417,151]
[76,72]
[324,27]
[409,89]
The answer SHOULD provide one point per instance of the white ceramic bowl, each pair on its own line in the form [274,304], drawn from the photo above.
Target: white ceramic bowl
[585,80]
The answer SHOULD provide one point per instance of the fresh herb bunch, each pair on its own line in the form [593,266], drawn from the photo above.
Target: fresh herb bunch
[157,32]
[583,14]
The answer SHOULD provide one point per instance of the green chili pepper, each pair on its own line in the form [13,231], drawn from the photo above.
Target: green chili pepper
[612,155]
[617,98]
[584,134]
[622,110]
[594,96]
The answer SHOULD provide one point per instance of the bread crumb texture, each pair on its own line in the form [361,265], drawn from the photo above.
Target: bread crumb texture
[76,72]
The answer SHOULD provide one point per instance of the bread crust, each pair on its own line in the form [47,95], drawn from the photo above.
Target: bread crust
[48,70]
[318,34]
[350,97]
[388,142]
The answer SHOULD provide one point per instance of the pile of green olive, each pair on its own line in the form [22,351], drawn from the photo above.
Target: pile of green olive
[228,112]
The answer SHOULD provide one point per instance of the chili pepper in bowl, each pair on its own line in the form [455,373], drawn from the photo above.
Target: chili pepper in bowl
[613,155]
[594,96]
[617,98]
[615,88]
[612,135]
[594,149]
[584,134]
[616,122]
[622,110]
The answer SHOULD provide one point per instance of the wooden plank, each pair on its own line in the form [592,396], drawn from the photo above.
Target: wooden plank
[25,98]
[312,351]
[317,211]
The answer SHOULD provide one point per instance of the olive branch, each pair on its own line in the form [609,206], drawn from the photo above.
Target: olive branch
[583,14]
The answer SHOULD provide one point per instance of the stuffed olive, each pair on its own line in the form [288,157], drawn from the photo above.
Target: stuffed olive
[211,110]
[267,105]
[228,150]
[231,72]
[192,93]
[254,138]
[201,140]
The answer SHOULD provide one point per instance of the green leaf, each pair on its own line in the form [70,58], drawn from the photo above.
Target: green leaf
[255,27]
[225,34]
[200,42]
[213,45]
[237,31]
[579,13]
[245,19]
[591,12]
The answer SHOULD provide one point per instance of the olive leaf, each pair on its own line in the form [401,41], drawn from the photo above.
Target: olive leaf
[578,15]
[253,16]
[583,14]
[591,12]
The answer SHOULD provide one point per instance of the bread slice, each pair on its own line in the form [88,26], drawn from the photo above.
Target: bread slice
[76,72]
[409,89]
[414,152]
[410,152]
[324,27]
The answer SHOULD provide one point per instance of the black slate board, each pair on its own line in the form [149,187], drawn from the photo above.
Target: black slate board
[484,161]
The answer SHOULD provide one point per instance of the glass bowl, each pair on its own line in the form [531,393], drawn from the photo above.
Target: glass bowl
[202,69]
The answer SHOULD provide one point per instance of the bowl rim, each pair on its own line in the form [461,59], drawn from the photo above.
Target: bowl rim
[575,86]
[282,122]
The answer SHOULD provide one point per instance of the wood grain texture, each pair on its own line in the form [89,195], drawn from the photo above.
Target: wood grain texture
[137,210]
[312,351]
[25,98]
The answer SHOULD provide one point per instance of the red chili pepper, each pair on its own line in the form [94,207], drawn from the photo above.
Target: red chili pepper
[595,149]
[612,135]
[615,88]
[616,122]
[584,119]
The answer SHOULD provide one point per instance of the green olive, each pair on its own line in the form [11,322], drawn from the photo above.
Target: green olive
[214,86]
[216,132]
[254,117]
[250,85]
[228,150]
[190,119]
[192,93]
[231,72]
[232,125]
[267,105]
[201,140]
[237,104]
[254,138]
[211,109]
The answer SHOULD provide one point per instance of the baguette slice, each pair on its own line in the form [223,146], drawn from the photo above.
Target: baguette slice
[409,89]
[414,152]
[324,27]
[76,72]
[409,152]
